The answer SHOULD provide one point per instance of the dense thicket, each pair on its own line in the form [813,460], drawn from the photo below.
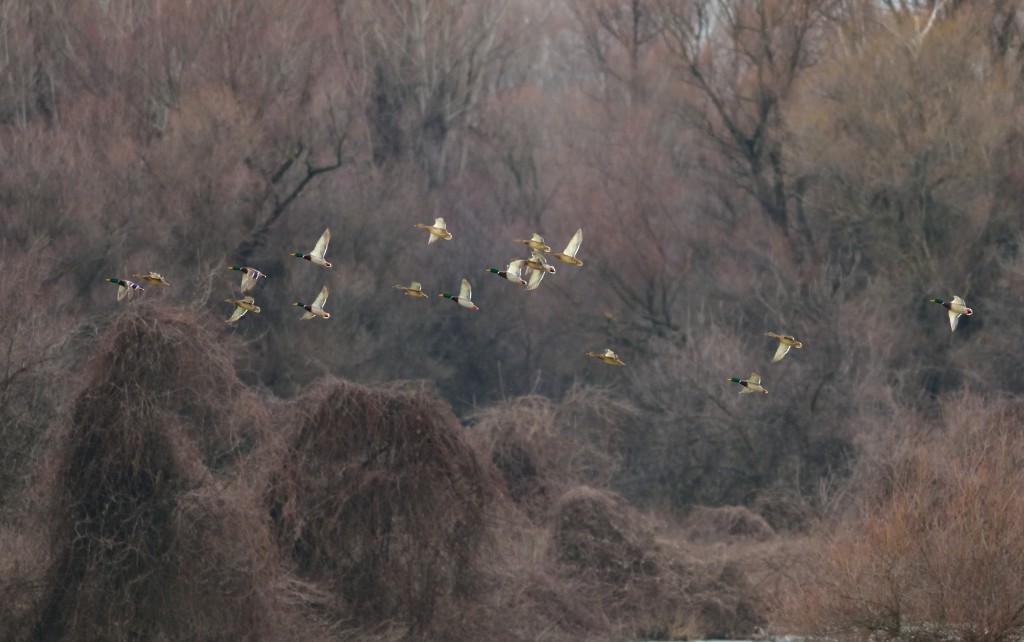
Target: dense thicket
[813,167]
[382,499]
[149,535]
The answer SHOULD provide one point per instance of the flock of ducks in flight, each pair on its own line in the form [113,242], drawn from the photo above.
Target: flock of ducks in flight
[536,267]
[955,308]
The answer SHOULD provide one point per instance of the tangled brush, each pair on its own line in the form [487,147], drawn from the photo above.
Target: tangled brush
[543,448]
[381,499]
[146,542]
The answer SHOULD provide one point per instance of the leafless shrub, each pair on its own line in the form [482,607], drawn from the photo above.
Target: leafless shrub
[520,595]
[708,524]
[381,499]
[599,540]
[543,448]
[144,541]
[722,601]
[936,549]
[33,359]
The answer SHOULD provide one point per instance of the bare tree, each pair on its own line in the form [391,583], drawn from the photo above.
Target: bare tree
[741,60]
[618,34]
[433,63]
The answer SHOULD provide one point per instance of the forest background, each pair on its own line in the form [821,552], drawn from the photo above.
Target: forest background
[818,168]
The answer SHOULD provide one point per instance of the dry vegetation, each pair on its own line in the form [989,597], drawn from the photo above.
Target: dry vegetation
[815,167]
[936,544]
[382,500]
[149,532]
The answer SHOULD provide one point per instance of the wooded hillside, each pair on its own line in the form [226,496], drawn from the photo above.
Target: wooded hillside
[816,168]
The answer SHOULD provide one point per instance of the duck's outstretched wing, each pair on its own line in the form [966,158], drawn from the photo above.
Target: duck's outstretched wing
[321,245]
[536,276]
[780,352]
[574,244]
[321,298]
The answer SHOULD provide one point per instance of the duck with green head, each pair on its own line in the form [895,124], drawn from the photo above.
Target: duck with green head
[956,307]
[126,288]
[465,297]
[317,255]
[243,305]
[511,273]
[315,309]
[250,276]
[753,384]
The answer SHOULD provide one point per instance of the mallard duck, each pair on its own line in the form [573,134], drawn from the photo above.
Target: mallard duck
[413,289]
[511,273]
[316,309]
[753,384]
[437,231]
[317,255]
[126,288]
[250,276]
[243,305]
[465,298]
[537,261]
[956,307]
[537,266]
[785,343]
[569,255]
[607,356]
[152,277]
[536,243]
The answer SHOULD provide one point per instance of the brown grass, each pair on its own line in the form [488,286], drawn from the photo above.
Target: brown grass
[144,541]
[382,500]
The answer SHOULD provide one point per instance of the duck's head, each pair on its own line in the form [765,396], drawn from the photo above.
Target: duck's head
[299,304]
[236,268]
[298,255]
[734,379]
[493,270]
[939,301]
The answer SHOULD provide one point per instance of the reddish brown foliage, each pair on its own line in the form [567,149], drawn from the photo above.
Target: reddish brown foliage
[937,547]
